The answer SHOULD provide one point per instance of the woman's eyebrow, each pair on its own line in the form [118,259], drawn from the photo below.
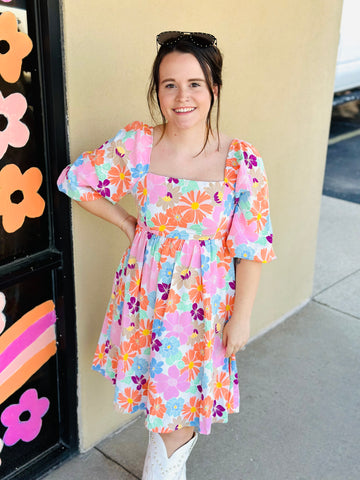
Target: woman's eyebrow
[189,80]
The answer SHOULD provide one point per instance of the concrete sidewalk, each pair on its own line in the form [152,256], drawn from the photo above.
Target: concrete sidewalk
[299,384]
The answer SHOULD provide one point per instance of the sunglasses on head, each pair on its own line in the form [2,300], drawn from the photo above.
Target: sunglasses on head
[199,39]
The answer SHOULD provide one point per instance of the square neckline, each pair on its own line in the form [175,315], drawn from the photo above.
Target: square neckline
[188,179]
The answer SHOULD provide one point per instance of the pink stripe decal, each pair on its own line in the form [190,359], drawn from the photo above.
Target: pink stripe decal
[26,339]
[41,342]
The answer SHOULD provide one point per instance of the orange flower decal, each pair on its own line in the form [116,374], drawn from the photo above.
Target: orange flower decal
[18,46]
[18,196]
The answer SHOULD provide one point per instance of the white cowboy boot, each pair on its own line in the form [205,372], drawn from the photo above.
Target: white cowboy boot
[190,445]
[158,466]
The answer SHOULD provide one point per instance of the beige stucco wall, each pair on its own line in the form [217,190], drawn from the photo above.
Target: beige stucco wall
[278,79]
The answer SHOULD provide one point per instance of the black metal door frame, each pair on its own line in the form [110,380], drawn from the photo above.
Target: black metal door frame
[44,22]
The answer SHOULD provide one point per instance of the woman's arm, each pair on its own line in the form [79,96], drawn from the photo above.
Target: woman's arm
[236,332]
[114,214]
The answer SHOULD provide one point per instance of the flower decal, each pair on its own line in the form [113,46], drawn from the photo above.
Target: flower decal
[16,46]
[2,316]
[19,197]
[15,132]
[24,429]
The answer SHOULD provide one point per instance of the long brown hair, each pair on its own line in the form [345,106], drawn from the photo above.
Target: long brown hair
[210,61]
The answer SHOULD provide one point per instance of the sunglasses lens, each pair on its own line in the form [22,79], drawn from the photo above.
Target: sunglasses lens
[203,39]
[166,37]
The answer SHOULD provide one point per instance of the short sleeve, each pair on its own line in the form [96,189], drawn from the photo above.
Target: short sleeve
[112,170]
[250,234]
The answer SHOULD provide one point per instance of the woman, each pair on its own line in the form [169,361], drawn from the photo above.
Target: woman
[180,306]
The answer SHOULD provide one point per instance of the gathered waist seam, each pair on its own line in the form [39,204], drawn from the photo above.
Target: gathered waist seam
[141,228]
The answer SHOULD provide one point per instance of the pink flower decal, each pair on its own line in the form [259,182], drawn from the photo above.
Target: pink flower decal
[15,133]
[28,429]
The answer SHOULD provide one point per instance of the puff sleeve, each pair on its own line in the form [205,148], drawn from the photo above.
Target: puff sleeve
[250,235]
[112,170]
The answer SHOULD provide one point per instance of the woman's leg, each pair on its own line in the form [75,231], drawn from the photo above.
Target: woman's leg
[176,439]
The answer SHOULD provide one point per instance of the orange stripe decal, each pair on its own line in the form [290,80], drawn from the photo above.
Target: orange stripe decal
[26,371]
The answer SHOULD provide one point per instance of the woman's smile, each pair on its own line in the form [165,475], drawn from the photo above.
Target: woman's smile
[184,109]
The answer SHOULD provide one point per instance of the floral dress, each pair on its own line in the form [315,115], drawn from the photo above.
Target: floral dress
[161,341]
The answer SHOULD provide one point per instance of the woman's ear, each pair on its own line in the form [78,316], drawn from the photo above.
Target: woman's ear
[215,90]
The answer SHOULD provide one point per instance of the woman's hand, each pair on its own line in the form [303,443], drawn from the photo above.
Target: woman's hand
[128,226]
[236,334]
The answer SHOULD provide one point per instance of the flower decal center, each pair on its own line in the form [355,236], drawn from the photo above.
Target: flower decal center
[24,420]
[3,122]
[4,47]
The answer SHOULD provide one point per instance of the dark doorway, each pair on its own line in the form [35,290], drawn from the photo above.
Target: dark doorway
[38,367]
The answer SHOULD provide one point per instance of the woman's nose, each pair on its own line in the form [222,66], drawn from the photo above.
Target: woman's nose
[182,93]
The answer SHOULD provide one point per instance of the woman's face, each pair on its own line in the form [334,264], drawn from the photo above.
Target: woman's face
[183,93]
